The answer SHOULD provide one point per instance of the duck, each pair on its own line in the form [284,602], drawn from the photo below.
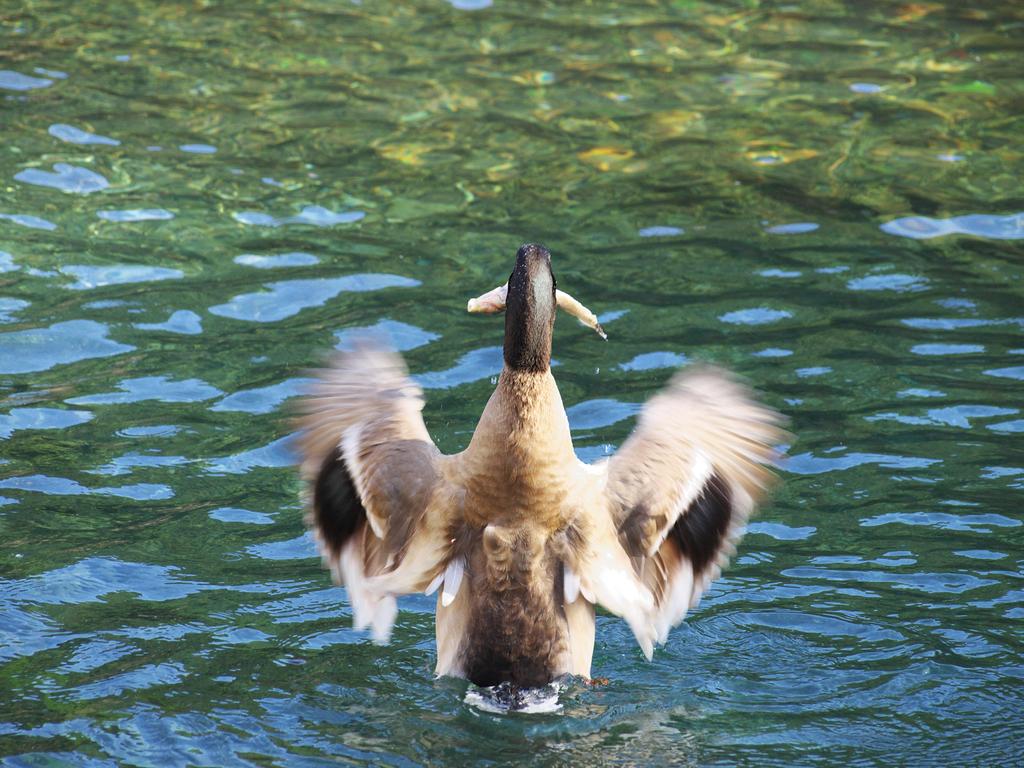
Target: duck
[520,539]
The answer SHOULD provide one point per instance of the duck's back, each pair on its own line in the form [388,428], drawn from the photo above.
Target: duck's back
[510,621]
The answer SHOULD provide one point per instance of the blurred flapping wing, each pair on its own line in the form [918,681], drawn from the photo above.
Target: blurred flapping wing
[682,486]
[377,502]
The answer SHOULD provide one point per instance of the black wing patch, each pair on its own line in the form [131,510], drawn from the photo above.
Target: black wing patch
[337,510]
[701,531]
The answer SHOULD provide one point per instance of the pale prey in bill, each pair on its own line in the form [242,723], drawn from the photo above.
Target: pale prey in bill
[520,537]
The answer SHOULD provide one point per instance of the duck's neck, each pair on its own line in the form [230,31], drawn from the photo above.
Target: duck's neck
[527,395]
[517,459]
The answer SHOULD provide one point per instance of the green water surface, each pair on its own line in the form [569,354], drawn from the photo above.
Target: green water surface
[198,200]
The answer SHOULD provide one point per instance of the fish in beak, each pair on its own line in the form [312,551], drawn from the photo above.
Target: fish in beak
[493,302]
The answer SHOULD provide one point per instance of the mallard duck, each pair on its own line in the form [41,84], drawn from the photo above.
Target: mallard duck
[520,537]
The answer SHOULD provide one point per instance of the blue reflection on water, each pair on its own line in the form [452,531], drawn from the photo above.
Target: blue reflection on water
[62,486]
[1009,227]
[74,135]
[90,276]
[291,259]
[660,231]
[472,366]
[809,464]
[314,215]
[161,388]
[129,462]
[236,515]
[755,316]
[198,149]
[975,522]
[136,214]
[398,335]
[647,361]
[67,178]
[40,418]
[893,282]
[32,222]
[939,349]
[183,321]
[781,531]
[39,349]
[15,81]
[263,399]
[600,412]
[278,453]
[794,228]
[287,298]
[8,308]
[299,548]
[951,416]
[1014,372]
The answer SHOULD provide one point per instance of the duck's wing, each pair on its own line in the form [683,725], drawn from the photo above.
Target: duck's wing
[679,491]
[378,502]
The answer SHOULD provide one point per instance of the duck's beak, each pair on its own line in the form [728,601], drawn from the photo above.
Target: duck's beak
[494,301]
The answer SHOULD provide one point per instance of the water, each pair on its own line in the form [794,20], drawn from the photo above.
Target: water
[198,201]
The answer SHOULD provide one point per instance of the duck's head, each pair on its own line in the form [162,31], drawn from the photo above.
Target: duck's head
[530,299]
